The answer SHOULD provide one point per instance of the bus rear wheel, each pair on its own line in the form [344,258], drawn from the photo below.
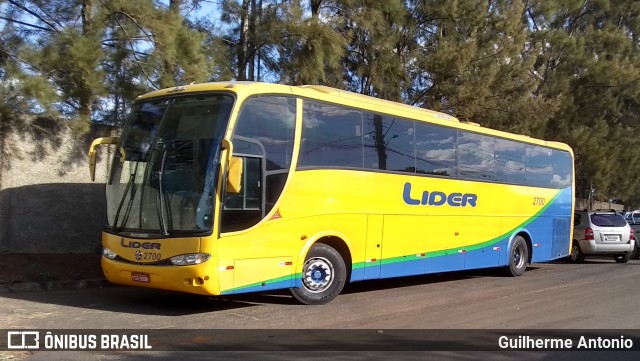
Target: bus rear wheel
[323,276]
[518,257]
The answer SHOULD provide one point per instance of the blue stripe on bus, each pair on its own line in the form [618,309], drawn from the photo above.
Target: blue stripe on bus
[484,257]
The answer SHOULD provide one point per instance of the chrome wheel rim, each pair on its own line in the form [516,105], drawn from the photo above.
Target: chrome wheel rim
[518,259]
[318,274]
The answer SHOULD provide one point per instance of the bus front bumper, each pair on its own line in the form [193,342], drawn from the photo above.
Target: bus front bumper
[198,279]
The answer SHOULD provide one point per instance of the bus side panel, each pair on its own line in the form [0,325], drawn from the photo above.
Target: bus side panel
[421,237]
[550,230]
[270,256]
[373,253]
[485,254]
[406,240]
[428,244]
[271,273]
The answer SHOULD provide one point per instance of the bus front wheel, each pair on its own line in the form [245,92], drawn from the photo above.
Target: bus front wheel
[323,276]
[518,257]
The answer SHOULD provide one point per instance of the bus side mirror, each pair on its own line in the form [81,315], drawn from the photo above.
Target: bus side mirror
[235,166]
[92,153]
[234,178]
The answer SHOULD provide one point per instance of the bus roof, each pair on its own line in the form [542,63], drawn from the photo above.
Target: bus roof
[350,99]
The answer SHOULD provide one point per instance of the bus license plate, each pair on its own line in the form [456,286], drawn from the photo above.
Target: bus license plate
[140,277]
[611,238]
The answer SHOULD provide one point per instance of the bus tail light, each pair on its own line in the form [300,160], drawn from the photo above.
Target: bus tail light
[190,259]
[109,253]
[588,234]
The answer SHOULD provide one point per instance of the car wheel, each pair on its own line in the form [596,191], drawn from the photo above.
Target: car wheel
[622,258]
[636,252]
[323,276]
[576,255]
[518,257]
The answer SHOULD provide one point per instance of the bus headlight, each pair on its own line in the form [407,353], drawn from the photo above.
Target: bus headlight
[189,259]
[109,253]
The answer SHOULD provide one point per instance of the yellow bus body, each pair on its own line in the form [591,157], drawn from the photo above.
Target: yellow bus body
[365,215]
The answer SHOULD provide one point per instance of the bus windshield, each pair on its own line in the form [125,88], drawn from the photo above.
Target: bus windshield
[164,171]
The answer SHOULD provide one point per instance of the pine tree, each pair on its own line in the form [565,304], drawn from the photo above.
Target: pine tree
[310,48]
[88,59]
[591,62]
[376,55]
[62,47]
[476,62]
[242,18]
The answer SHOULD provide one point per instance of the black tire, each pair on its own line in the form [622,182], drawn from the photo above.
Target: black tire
[518,257]
[622,258]
[323,276]
[636,252]
[576,255]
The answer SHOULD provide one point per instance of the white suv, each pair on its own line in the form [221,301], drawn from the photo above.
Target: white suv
[633,218]
[601,233]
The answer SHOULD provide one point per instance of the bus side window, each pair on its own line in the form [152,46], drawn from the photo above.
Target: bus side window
[476,156]
[331,137]
[539,168]
[436,150]
[244,209]
[264,136]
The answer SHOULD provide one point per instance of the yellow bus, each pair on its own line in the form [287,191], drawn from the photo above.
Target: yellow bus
[233,187]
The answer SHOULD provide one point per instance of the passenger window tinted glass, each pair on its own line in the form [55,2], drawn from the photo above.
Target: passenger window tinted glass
[388,143]
[331,136]
[269,120]
[242,145]
[509,161]
[539,168]
[435,150]
[608,220]
[263,137]
[244,210]
[476,156]
[249,197]
[562,169]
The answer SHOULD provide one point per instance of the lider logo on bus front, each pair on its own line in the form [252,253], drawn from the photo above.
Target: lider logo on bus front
[436,198]
[136,244]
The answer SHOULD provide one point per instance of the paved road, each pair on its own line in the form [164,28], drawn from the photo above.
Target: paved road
[599,294]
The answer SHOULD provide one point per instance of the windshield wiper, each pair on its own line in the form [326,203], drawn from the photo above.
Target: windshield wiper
[161,210]
[124,196]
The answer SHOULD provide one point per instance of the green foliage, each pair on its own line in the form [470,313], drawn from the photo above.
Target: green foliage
[565,70]
[310,49]
[85,61]
[377,53]
[590,60]
[477,63]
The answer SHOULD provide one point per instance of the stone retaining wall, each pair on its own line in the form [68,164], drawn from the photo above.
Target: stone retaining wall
[47,202]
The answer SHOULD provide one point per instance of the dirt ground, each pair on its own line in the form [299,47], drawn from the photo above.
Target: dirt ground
[40,267]
[31,267]
[14,355]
